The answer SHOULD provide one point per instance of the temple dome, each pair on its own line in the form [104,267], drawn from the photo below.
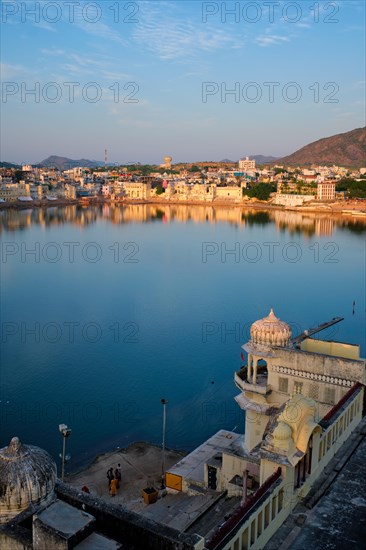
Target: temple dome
[270,331]
[282,432]
[282,437]
[27,476]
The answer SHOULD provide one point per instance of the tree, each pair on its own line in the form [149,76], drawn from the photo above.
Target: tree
[352,188]
[299,187]
[160,189]
[18,174]
[260,191]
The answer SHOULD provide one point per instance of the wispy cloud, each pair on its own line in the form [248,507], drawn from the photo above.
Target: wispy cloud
[53,52]
[164,32]
[101,30]
[99,66]
[8,71]
[270,39]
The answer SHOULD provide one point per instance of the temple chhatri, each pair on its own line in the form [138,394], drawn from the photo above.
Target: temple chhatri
[302,398]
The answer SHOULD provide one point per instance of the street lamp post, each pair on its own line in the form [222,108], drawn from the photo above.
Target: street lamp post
[164,403]
[65,431]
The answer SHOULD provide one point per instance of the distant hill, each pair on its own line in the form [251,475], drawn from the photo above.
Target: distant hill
[259,159]
[9,165]
[64,163]
[348,149]
[263,159]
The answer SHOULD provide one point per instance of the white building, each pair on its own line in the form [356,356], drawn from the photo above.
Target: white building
[326,191]
[288,199]
[247,165]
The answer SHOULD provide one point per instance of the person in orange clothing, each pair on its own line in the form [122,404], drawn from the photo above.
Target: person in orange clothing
[114,487]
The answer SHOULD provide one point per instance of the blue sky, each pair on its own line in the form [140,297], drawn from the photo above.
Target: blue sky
[152,78]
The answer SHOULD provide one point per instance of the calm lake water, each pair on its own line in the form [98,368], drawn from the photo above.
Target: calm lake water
[106,310]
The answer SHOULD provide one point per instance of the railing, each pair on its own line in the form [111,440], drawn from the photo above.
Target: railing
[243,372]
[330,414]
[338,427]
[240,514]
[260,385]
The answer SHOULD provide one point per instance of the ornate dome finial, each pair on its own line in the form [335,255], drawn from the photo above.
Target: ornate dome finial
[270,331]
[14,445]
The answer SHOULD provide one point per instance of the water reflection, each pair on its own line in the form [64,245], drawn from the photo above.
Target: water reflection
[308,224]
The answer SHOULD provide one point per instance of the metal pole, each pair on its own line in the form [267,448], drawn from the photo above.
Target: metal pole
[63,457]
[164,402]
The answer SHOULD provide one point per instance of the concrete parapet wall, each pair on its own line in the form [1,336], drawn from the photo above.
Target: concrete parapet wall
[126,526]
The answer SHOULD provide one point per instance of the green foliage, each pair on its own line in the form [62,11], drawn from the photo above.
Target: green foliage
[18,174]
[195,168]
[160,190]
[146,169]
[260,191]
[352,188]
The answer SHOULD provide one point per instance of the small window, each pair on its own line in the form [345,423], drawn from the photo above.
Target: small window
[297,388]
[283,385]
[329,395]
[314,391]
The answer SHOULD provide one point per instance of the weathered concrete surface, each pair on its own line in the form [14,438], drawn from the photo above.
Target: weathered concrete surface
[134,531]
[95,541]
[141,466]
[61,526]
[338,519]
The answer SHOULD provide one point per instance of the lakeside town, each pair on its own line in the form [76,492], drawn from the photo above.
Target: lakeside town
[315,187]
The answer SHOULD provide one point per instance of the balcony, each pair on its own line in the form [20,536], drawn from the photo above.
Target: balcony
[260,385]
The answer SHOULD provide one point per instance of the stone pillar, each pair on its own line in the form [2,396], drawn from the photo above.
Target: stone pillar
[255,371]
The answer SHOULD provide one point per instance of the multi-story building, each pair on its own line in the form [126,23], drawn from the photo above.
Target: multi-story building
[326,191]
[247,165]
[14,191]
[302,398]
[136,190]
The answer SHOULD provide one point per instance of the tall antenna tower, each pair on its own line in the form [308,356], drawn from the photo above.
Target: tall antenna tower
[105,158]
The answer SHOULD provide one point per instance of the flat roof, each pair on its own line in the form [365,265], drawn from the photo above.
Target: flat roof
[65,518]
[192,466]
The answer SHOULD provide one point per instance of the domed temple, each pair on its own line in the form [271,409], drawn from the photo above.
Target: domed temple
[27,476]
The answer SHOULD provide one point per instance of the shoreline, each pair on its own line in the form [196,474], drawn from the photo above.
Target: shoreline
[349,208]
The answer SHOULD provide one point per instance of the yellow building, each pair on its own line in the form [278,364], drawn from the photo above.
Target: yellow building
[136,190]
[233,193]
[13,191]
[302,399]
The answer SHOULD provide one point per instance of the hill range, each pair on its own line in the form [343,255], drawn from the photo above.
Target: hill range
[348,149]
